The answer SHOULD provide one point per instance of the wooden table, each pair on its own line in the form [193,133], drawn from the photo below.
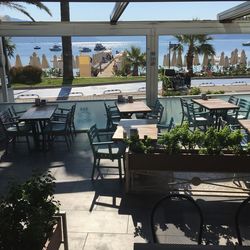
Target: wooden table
[148,246]
[128,109]
[38,116]
[217,107]
[245,124]
[145,127]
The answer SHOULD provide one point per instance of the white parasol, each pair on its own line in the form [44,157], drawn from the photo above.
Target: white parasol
[18,62]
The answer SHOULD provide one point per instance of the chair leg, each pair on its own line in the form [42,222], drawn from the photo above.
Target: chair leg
[93,170]
[67,142]
[120,168]
[28,142]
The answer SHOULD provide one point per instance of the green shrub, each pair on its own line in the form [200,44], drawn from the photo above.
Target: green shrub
[27,214]
[194,91]
[27,74]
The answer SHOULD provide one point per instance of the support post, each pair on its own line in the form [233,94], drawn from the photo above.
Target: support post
[152,67]
[3,77]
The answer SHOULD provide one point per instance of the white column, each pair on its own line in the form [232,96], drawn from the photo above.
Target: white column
[152,67]
[3,77]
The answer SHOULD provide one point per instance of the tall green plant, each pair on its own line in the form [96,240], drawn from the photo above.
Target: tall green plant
[26,214]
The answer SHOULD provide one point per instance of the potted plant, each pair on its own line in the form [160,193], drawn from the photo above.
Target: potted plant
[183,150]
[27,215]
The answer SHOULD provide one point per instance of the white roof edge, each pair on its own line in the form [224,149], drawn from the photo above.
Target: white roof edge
[235,12]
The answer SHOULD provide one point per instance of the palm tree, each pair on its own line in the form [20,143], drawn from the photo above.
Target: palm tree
[135,58]
[196,44]
[8,46]
[22,9]
[66,46]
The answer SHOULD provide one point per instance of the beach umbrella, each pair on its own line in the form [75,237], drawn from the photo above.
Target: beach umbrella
[55,62]
[35,60]
[222,59]
[45,64]
[236,56]
[205,60]
[77,62]
[18,62]
[60,62]
[166,60]
[212,60]
[243,58]
[179,58]
[196,59]
[226,62]
[174,60]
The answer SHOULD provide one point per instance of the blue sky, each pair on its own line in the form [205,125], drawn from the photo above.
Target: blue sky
[134,11]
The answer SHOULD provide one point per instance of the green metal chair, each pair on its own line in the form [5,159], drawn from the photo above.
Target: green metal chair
[166,127]
[61,115]
[104,148]
[196,119]
[15,129]
[113,117]
[60,128]
[241,113]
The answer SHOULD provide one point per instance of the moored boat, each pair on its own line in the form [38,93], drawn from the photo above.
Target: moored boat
[85,49]
[246,44]
[55,47]
[37,47]
[99,47]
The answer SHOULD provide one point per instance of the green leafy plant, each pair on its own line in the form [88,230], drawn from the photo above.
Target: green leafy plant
[27,74]
[137,145]
[194,91]
[27,214]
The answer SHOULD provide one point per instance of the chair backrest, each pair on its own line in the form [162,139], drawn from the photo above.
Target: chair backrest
[244,108]
[72,113]
[93,136]
[6,119]
[242,222]
[183,106]
[233,99]
[176,212]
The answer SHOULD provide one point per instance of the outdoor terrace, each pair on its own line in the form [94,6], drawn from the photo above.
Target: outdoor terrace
[100,214]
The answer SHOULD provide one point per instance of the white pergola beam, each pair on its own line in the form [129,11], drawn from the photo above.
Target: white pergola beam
[117,12]
[122,28]
[238,11]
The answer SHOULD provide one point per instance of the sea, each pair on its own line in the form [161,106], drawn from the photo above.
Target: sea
[25,45]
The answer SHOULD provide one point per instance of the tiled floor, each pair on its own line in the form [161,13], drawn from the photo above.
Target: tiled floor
[99,214]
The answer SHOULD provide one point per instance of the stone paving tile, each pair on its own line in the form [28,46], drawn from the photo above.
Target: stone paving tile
[76,241]
[97,221]
[110,241]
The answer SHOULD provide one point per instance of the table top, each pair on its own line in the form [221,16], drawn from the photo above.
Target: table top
[144,126]
[148,246]
[134,107]
[39,113]
[215,104]
[245,124]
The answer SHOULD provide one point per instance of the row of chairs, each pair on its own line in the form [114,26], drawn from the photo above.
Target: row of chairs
[62,124]
[198,118]
[185,213]
[113,114]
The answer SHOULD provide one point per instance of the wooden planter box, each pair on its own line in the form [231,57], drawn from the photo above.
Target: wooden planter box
[227,163]
[60,234]
[56,239]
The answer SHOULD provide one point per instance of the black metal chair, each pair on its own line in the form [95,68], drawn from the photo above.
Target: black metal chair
[176,212]
[242,222]
[104,148]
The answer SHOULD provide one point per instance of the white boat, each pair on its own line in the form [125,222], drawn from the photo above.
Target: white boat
[37,47]
[99,47]
[246,44]
[55,47]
